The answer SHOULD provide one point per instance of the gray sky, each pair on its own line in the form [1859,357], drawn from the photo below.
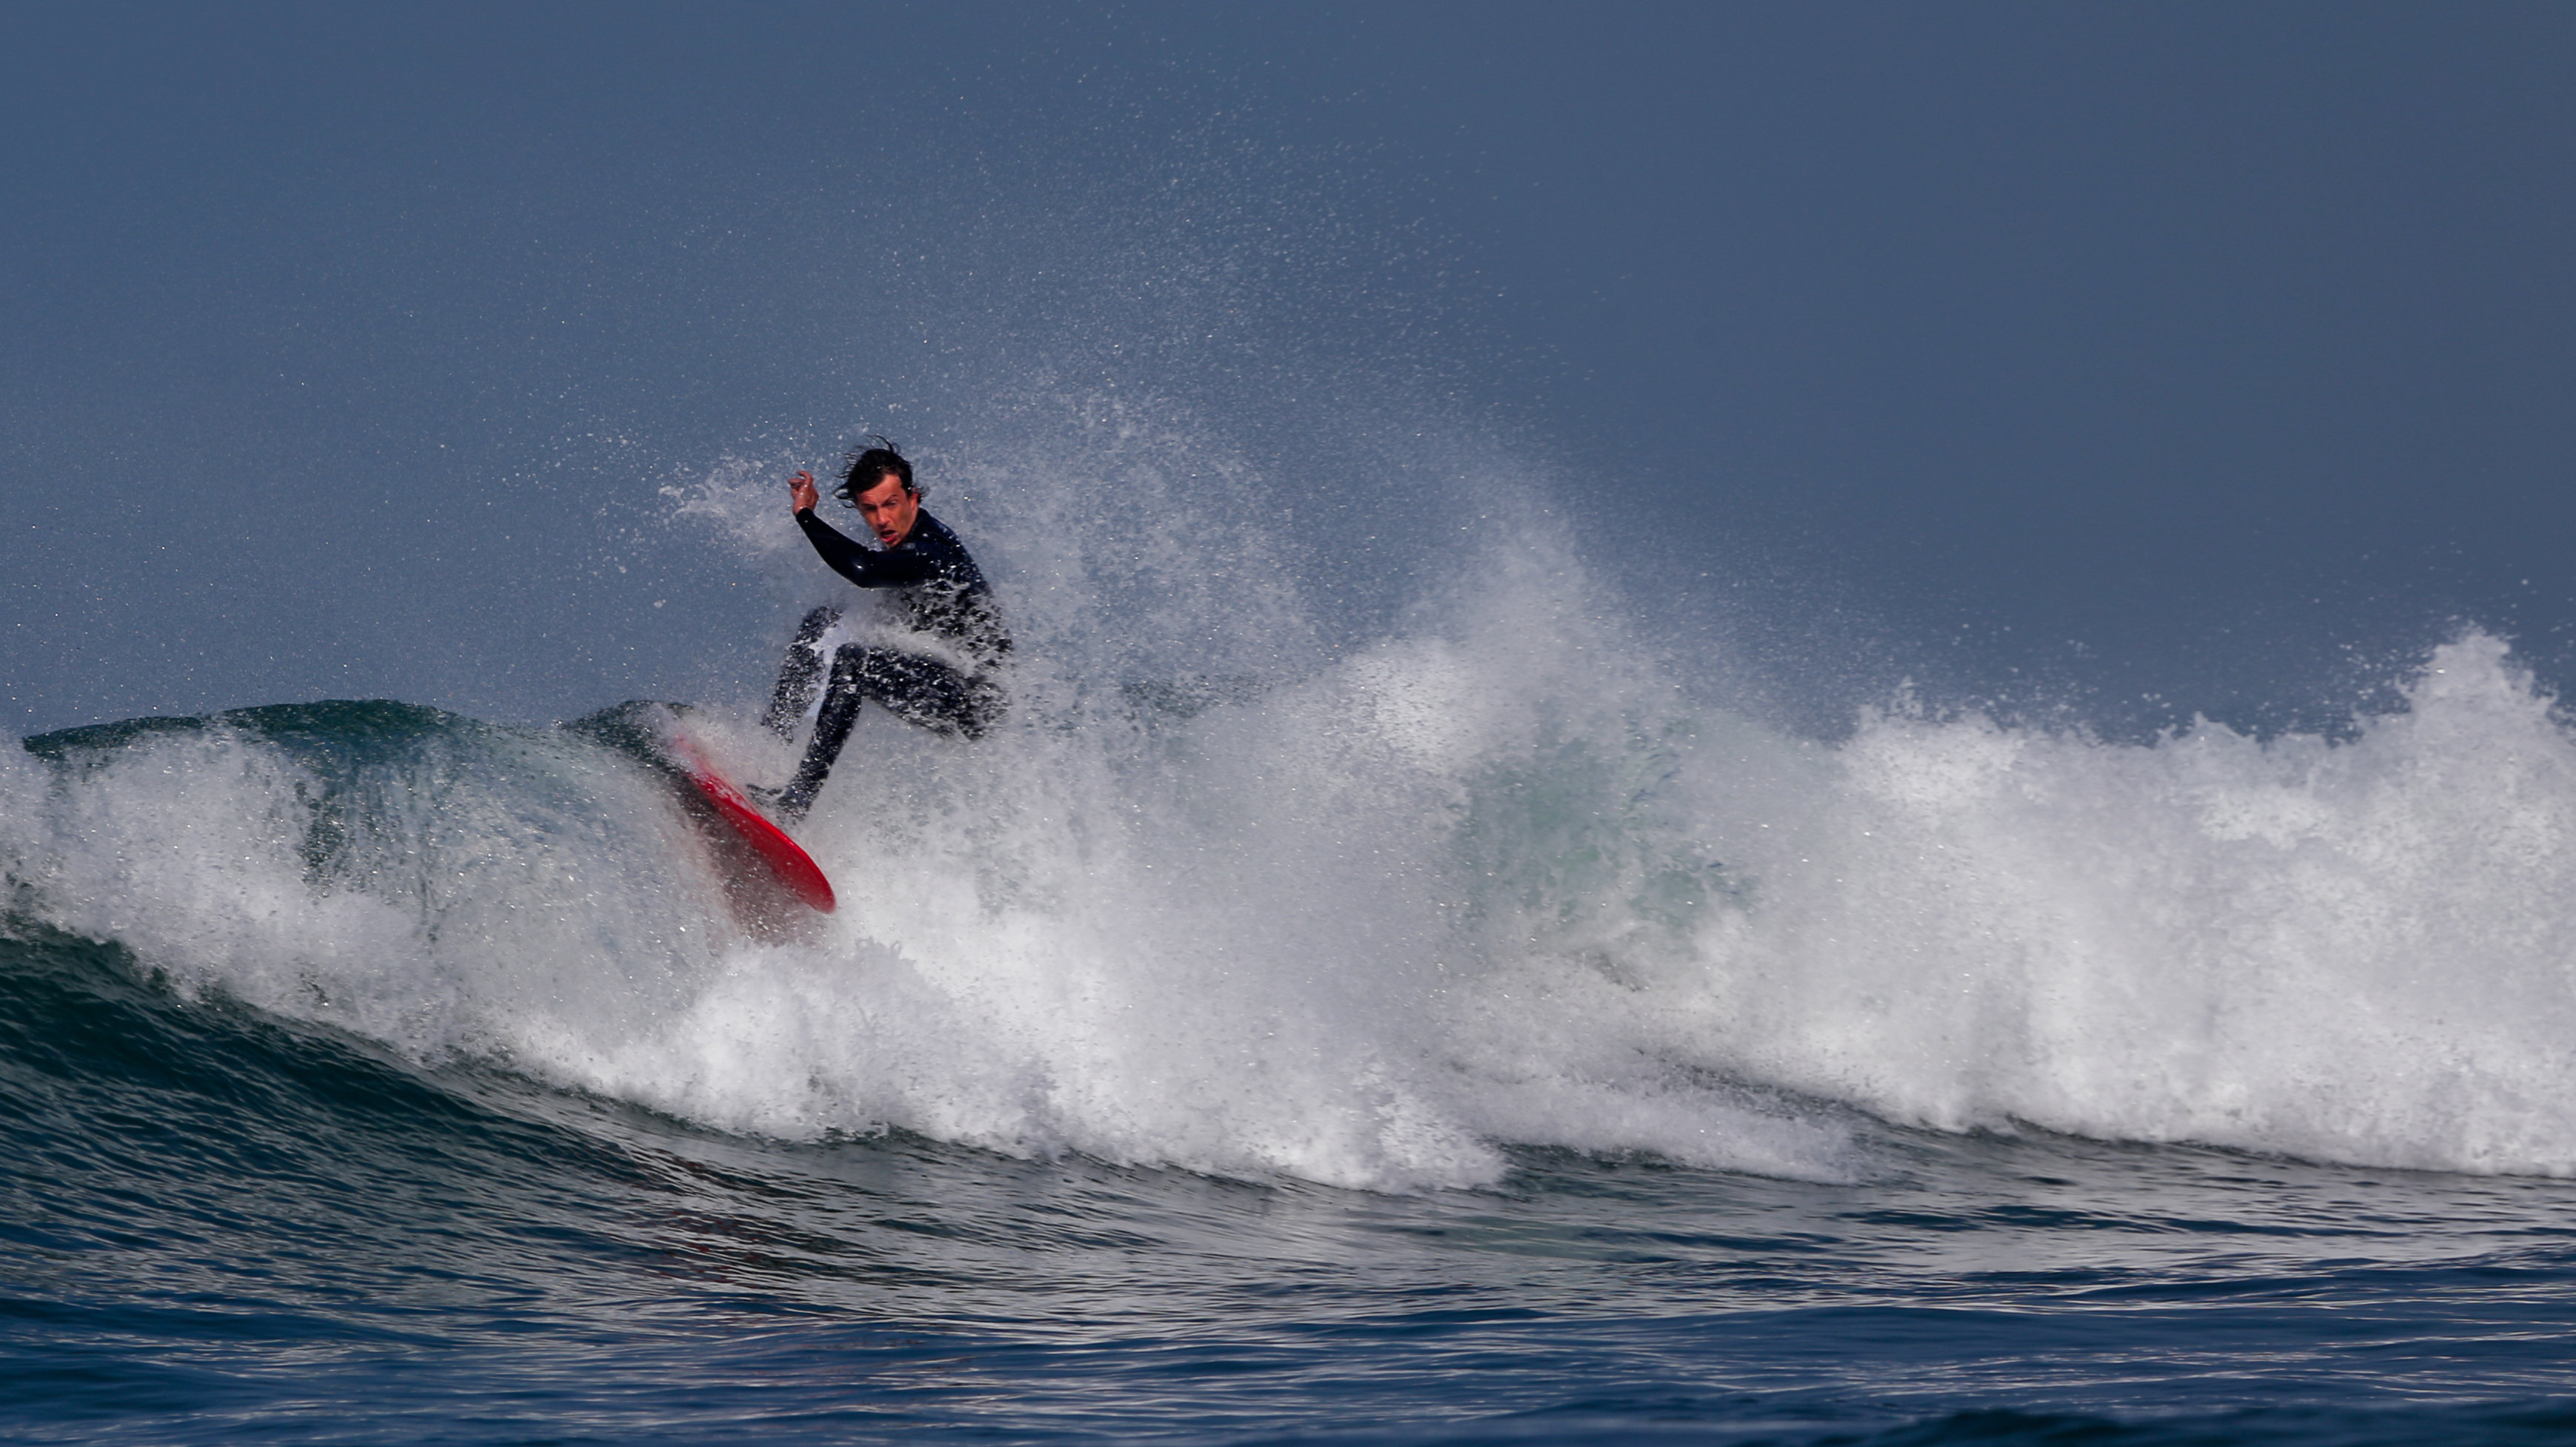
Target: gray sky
[2215,353]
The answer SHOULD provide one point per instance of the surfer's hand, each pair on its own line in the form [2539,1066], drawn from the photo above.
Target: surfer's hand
[801,495]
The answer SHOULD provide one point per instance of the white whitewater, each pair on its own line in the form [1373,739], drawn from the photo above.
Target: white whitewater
[1236,893]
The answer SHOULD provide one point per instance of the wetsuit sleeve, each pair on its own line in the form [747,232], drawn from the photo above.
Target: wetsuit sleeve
[863,566]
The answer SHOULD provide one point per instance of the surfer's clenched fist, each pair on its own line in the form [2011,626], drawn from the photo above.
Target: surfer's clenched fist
[801,496]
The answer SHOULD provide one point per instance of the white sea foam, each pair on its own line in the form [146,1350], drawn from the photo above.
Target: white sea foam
[2361,951]
[1229,895]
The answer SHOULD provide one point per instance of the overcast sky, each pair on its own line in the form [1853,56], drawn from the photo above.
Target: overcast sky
[2172,356]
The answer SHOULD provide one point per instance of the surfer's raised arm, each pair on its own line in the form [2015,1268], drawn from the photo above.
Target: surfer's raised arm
[949,686]
[899,564]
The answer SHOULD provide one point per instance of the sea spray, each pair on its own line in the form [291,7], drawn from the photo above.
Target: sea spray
[406,873]
[2357,951]
[1245,888]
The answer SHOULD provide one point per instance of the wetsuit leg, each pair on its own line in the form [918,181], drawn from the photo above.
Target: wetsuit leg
[930,693]
[796,676]
[918,690]
[841,699]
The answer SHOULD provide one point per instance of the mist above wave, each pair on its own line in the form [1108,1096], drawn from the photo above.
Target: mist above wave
[1246,886]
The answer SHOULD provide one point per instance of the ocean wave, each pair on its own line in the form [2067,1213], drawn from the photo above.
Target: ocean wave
[1232,893]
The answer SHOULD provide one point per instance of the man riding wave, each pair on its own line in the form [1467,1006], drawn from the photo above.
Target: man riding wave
[945,600]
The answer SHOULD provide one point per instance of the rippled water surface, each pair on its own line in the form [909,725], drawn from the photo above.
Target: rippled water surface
[221,1227]
[1413,1046]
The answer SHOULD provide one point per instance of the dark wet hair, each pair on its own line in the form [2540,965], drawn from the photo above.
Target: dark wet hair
[873,466]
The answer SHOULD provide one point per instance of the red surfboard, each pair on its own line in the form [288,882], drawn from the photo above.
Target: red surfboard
[794,868]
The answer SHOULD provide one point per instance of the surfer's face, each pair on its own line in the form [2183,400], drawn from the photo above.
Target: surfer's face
[889,510]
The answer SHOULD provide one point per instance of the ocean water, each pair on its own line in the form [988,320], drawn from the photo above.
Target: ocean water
[1444,1019]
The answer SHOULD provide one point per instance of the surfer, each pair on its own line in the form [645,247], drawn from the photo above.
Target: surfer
[943,678]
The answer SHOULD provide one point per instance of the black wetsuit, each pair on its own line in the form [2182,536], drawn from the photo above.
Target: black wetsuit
[944,596]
